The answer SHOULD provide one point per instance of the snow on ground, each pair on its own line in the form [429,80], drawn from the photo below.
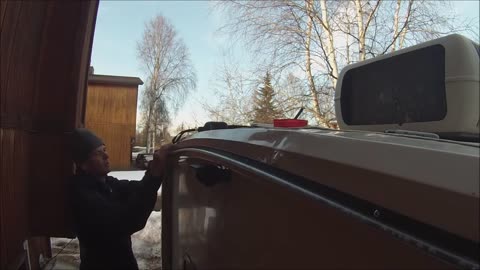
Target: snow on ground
[67,252]
[128,175]
[146,244]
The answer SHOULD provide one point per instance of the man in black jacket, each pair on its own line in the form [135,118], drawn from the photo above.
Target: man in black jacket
[107,211]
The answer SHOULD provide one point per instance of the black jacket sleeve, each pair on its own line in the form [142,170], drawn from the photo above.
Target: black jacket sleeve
[98,215]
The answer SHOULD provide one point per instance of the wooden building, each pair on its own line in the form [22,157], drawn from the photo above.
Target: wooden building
[45,51]
[111,114]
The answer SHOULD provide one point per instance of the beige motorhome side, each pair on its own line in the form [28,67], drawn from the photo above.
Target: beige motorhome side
[462,76]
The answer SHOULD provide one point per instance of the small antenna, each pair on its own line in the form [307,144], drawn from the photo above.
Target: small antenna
[298,113]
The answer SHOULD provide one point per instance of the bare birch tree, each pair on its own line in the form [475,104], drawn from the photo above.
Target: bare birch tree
[234,99]
[320,37]
[293,93]
[169,74]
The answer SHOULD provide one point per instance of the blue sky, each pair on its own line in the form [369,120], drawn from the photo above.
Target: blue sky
[120,25]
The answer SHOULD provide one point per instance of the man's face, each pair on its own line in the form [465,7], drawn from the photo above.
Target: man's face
[97,163]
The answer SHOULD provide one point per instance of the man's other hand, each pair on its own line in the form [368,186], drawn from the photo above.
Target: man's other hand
[158,165]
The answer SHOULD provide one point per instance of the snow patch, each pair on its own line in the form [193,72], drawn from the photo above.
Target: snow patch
[147,243]
[128,175]
[132,176]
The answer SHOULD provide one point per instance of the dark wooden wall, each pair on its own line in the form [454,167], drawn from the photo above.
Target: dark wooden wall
[45,54]
[111,114]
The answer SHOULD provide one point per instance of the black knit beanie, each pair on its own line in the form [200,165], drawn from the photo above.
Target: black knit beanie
[83,143]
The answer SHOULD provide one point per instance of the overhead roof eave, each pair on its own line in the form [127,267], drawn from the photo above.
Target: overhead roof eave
[117,80]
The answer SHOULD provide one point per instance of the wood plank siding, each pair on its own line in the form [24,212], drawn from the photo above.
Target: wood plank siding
[111,114]
[13,198]
[45,51]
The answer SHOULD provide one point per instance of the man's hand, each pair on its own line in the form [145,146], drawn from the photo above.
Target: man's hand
[158,165]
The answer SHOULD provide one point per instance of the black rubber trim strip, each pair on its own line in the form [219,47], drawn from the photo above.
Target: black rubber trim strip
[435,241]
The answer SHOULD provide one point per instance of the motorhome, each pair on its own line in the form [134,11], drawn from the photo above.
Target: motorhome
[395,187]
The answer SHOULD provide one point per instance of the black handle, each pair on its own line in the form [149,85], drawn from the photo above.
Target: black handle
[210,175]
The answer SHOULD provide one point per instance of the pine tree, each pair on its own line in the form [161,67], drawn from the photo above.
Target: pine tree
[265,110]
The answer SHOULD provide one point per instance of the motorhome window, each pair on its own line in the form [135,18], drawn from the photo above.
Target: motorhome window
[401,89]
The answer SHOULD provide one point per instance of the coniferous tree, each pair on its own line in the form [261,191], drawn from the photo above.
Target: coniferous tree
[265,109]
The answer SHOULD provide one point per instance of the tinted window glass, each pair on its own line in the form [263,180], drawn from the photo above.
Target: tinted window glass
[401,89]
